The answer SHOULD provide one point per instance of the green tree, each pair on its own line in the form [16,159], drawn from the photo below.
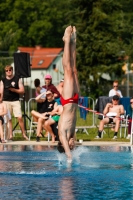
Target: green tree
[33,22]
[30,23]
[105,34]
[100,27]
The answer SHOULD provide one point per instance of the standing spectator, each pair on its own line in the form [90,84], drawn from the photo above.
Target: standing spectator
[37,86]
[11,87]
[49,86]
[38,91]
[3,111]
[115,90]
[60,86]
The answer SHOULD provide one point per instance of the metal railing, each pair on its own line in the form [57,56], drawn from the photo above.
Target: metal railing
[89,122]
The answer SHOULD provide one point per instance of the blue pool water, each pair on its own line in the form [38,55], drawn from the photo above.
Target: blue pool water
[40,172]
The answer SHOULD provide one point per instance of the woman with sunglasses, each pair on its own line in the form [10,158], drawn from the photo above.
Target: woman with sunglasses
[115,90]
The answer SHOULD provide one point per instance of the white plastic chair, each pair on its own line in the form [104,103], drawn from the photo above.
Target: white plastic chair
[34,125]
[123,118]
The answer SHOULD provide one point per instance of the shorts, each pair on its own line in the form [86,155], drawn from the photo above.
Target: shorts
[1,119]
[110,120]
[14,107]
[55,118]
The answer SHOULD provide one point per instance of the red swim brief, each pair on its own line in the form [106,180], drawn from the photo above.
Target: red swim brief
[74,99]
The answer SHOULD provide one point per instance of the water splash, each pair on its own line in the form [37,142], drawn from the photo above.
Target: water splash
[76,153]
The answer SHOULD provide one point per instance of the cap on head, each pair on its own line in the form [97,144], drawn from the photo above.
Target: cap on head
[47,76]
[116,97]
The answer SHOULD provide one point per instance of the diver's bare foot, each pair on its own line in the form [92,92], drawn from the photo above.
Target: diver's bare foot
[73,35]
[69,161]
[67,34]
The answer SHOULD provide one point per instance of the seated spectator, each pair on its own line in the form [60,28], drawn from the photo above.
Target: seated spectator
[48,105]
[3,111]
[55,116]
[115,90]
[112,113]
[130,110]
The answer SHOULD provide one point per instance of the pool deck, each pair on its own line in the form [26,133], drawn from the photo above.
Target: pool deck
[86,143]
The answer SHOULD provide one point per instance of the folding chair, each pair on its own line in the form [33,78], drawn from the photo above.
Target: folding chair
[33,126]
[100,105]
[125,101]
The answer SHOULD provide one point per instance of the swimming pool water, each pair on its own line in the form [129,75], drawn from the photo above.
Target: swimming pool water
[40,172]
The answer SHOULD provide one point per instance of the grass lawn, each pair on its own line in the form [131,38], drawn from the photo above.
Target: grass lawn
[91,120]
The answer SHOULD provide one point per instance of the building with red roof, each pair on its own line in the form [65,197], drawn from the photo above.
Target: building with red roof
[44,61]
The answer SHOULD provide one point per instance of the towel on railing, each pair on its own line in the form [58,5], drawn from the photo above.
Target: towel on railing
[58,101]
[101,103]
[83,101]
[125,101]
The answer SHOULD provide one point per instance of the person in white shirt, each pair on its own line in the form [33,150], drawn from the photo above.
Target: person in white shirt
[115,90]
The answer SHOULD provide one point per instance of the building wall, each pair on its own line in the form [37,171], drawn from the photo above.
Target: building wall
[55,70]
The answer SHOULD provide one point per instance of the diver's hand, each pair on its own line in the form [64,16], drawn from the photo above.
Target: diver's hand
[69,160]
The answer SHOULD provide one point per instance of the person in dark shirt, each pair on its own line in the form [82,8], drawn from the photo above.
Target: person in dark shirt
[11,87]
[3,111]
[48,106]
[37,92]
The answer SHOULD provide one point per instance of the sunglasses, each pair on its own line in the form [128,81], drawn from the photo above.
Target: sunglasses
[115,85]
[131,102]
[8,70]
[115,100]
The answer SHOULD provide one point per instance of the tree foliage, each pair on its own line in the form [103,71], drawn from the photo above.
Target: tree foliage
[102,37]
[104,34]
[31,23]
